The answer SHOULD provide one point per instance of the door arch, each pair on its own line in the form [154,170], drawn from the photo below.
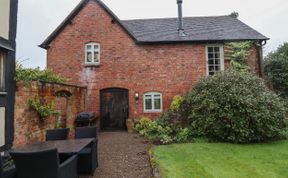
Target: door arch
[114,108]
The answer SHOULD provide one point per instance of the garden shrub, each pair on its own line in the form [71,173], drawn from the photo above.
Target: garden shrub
[176,103]
[153,131]
[183,135]
[142,123]
[175,117]
[170,118]
[276,69]
[28,75]
[161,130]
[235,107]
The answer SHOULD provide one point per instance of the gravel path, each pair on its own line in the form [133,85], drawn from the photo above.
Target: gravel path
[122,155]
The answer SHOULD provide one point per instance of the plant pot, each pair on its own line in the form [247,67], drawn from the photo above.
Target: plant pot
[130,125]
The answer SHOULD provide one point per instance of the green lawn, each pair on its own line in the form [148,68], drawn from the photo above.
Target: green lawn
[220,160]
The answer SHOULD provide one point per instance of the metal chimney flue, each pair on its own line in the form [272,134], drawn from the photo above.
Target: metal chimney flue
[181,31]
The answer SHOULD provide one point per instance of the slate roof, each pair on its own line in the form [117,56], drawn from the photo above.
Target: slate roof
[197,29]
[215,28]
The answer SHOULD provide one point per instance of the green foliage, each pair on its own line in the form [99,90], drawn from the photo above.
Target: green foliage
[162,131]
[280,53]
[176,103]
[153,131]
[142,123]
[44,110]
[239,53]
[235,107]
[165,118]
[175,118]
[276,69]
[183,135]
[28,75]
[170,118]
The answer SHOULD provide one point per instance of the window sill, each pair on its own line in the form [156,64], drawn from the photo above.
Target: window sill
[3,93]
[152,112]
[92,65]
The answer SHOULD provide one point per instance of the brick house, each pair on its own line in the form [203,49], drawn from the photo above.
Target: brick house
[136,67]
[8,24]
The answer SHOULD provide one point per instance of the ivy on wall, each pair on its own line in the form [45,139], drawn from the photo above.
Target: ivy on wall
[239,53]
[44,110]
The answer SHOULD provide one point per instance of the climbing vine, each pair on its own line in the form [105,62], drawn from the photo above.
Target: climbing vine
[239,53]
[44,110]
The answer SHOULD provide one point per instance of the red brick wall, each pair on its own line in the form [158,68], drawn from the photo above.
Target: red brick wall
[170,69]
[27,125]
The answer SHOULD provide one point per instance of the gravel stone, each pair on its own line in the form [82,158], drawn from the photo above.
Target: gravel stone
[122,155]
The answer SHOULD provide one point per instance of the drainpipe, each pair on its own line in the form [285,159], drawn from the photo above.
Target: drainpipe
[181,31]
[260,56]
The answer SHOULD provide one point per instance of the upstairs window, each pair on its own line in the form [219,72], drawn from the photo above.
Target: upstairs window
[152,102]
[215,59]
[92,54]
[2,72]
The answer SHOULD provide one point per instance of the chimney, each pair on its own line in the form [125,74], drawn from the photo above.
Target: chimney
[180,19]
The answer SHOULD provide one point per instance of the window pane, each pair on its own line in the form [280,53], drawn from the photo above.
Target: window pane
[96,47]
[148,104]
[157,96]
[217,55]
[88,47]
[217,68]
[157,104]
[211,62]
[89,57]
[148,96]
[211,68]
[210,49]
[210,56]
[216,49]
[96,57]
[217,61]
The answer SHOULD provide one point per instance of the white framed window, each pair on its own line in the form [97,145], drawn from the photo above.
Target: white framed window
[152,102]
[214,59]
[92,53]
[2,72]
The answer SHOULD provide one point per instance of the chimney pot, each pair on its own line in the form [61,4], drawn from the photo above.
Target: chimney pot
[181,31]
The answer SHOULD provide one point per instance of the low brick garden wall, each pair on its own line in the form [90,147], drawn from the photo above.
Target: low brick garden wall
[27,123]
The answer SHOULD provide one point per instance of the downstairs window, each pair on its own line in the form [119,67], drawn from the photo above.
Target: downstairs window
[152,102]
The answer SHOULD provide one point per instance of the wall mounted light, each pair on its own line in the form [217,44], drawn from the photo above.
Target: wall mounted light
[136,97]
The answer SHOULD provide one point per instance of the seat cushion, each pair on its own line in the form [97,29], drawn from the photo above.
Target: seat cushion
[85,151]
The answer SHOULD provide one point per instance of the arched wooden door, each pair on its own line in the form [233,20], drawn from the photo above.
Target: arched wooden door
[114,108]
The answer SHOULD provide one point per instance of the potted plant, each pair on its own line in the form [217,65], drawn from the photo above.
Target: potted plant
[130,125]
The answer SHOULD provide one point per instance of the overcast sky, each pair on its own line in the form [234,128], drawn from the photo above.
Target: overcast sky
[38,18]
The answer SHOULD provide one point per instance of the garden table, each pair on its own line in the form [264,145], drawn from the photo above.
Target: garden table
[71,146]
